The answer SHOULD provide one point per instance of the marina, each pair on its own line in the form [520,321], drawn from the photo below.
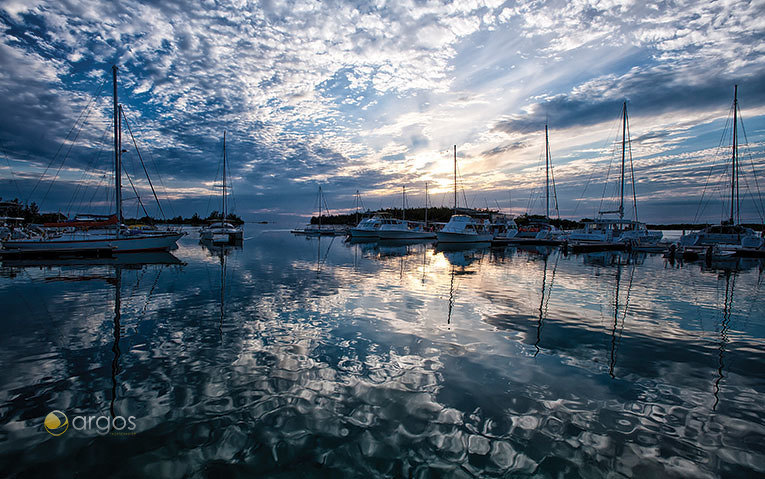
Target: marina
[382,240]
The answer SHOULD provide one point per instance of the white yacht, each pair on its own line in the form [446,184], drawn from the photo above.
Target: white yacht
[75,238]
[367,227]
[462,228]
[222,231]
[465,229]
[503,228]
[394,229]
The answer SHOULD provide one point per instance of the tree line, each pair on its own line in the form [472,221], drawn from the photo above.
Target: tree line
[30,213]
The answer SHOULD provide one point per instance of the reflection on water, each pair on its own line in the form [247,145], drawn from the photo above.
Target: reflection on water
[319,357]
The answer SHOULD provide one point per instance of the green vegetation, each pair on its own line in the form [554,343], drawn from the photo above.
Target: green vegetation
[31,214]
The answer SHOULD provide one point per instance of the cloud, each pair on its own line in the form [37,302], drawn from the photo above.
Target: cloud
[364,96]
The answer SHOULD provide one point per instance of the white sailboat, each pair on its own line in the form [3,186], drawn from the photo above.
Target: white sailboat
[406,230]
[78,240]
[222,231]
[730,236]
[463,228]
[612,233]
[319,229]
[542,231]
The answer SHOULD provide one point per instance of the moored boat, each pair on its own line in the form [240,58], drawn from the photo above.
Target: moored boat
[730,236]
[463,228]
[222,231]
[611,233]
[79,238]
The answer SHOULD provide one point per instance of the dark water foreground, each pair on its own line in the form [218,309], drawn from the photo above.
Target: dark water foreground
[304,358]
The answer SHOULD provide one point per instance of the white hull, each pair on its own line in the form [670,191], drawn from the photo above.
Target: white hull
[363,233]
[463,237]
[405,235]
[221,236]
[79,242]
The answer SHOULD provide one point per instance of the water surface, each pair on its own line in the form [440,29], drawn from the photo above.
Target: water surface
[295,357]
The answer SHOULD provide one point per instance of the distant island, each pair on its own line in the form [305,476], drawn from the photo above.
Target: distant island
[31,214]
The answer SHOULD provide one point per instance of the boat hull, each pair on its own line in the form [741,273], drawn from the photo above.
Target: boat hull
[405,235]
[363,233]
[445,237]
[123,244]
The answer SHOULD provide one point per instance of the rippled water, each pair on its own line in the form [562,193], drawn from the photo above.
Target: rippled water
[319,358]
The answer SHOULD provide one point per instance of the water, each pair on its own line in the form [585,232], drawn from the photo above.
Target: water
[295,357]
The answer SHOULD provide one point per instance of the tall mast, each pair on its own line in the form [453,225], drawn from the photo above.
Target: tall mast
[733,179]
[455,179]
[547,174]
[224,177]
[426,203]
[624,143]
[319,207]
[358,197]
[117,154]
[403,202]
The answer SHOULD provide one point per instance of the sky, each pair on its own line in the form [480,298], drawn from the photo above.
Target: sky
[372,96]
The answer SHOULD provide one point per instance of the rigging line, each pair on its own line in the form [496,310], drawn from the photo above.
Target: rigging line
[71,145]
[754,173]
[461,182]
[632,172]
[723,135]
[751,194]
[87,171]
[7,160]
[212,190]
[143,165]
[138,197]
[61,145]
[98,186]
[161,182]
[555,191]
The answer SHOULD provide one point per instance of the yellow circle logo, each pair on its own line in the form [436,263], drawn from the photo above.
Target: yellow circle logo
[56,423]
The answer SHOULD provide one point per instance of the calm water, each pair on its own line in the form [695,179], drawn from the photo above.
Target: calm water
[293,357]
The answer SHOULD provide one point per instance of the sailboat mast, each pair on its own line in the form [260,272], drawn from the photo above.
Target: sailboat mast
[117,154]
[358,198]
[733,179]
[224,177]
[319,207]
[403,202]
[426,204]
[455,179]
[547,174]
[624,143]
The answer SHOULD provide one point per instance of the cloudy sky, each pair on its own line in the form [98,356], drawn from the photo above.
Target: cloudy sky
[371,96]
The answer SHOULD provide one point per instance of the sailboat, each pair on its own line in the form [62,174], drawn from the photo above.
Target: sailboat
[406,230]
[541,232]
[463,228]
[111,236]
[611,233]
[318,229]
[222,231]
[729,236]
